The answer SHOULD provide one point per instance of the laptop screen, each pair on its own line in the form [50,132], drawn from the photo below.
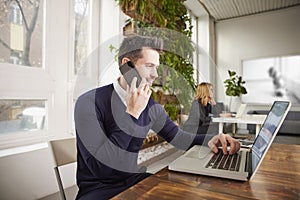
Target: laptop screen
[268,131]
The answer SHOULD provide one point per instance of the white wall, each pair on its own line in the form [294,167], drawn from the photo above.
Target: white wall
[262,35]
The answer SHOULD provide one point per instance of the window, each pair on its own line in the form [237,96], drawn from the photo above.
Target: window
[81,38]
[15,14]
[203,36]
[26,87]
[272,78]
[39,65]
[22,115]
[85,37]
[21,32]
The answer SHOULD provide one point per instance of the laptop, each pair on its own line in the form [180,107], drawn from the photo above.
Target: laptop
[238,114]
[244,164]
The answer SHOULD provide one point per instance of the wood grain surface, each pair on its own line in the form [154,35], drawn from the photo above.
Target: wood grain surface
[277,178]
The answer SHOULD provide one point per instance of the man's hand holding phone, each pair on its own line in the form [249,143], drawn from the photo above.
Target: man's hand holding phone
[137,98]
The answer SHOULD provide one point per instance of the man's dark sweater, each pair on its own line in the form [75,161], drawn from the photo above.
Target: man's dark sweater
[109,139]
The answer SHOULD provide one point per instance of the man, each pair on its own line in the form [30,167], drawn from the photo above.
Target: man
[112,122]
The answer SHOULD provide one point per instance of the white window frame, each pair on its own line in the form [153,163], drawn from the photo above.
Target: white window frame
[51,82]
[25,83]
[55,80]
[201,22]
[29,83]
[94,26]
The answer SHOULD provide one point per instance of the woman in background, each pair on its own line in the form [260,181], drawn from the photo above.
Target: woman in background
[202,109]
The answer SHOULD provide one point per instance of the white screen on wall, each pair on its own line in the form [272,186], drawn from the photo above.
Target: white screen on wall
[270,79]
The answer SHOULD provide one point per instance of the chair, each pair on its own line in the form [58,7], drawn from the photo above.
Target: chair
[64,151]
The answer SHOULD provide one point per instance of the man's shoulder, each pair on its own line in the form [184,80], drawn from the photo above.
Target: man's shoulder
[106,89]
[103,91]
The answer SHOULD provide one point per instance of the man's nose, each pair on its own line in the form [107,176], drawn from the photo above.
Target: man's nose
[154,73]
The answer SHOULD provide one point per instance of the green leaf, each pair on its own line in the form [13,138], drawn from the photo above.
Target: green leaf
[234,84]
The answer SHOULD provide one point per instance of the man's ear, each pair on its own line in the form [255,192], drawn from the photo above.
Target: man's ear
[125,60]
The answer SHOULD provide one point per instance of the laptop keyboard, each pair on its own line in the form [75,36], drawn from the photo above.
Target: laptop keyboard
[225,162]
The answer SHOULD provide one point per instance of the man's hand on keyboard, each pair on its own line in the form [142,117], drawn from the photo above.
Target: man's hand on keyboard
[225,141]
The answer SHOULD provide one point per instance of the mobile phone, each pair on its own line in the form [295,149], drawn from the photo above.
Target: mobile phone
[129,71]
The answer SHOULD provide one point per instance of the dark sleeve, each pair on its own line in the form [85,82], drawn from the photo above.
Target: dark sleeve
[182,139]
[170,132]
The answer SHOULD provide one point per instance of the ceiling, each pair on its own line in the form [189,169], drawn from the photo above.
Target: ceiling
[226,9]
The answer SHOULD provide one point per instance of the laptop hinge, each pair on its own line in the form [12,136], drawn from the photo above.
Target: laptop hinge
[248,165]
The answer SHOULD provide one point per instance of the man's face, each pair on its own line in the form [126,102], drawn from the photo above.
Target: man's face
[148,64]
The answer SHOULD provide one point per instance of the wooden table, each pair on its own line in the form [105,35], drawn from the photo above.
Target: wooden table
[258,120]
[275,179]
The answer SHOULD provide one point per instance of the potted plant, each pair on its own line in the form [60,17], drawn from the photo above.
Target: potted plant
[234,86]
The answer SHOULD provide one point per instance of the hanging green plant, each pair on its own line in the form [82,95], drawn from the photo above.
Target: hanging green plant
[171,15]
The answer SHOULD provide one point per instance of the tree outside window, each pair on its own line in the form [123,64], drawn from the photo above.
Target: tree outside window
[21,32]
[81,8]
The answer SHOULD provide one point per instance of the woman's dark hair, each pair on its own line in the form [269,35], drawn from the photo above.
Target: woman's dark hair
[132,46]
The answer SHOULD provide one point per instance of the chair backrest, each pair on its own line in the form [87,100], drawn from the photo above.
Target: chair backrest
[217,109]
[64,152]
